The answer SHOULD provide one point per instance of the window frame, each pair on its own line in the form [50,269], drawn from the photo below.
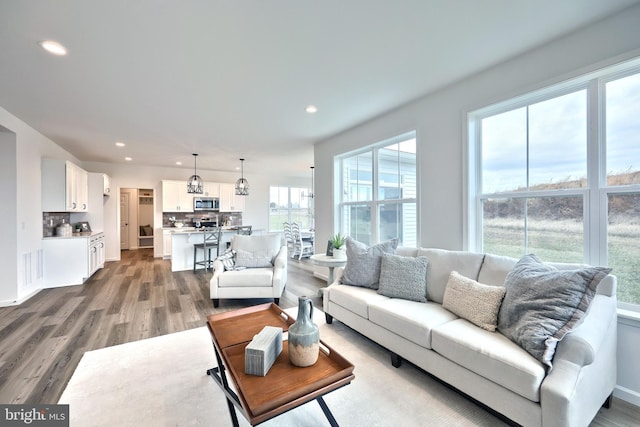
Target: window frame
[595,195]
[375,202]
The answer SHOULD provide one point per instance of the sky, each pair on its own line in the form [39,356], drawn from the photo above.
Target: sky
[557,138]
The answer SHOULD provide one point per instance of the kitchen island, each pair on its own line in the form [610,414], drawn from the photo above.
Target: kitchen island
[182,240]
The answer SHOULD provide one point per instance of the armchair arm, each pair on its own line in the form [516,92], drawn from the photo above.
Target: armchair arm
[280,271]
[218,269]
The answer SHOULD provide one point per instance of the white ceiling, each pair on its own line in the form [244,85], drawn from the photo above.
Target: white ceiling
[230,79]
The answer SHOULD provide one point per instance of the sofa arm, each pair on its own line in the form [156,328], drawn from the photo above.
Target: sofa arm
[581,345]
[337,274]
[584,368]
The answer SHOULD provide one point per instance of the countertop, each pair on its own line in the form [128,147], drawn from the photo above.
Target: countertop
[83,234]
[191,230]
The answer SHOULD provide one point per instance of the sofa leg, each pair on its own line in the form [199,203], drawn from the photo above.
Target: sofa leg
[607,403]
[216,303]
[328,318]
[396,360]
[277,301]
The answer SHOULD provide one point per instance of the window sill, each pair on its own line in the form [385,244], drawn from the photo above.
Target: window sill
[629,317]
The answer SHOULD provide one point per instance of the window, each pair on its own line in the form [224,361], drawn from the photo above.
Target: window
[290,204]
[557,173]
[378,193]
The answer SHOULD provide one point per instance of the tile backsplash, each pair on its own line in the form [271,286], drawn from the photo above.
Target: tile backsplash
[50,220]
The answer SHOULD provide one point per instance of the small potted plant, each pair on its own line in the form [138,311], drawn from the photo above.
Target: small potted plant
[339,249]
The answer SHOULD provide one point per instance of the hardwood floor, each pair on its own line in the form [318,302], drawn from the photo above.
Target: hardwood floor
[43,339]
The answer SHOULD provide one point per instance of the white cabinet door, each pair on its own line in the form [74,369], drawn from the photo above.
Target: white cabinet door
[65,187]
[229,201]
[166,244]
[175,197]
[211,189]
[106,184]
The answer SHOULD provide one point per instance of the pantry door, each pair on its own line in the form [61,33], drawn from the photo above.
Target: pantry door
[124,221]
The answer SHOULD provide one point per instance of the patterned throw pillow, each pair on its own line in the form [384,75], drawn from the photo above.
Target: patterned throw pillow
[363,262]
[476,302]
[404,277]
[227,259]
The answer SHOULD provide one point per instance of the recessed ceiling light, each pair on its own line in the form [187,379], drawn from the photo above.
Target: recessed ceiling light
[179,163]
[311,109]
[128,159]
[120,144]
[53,47]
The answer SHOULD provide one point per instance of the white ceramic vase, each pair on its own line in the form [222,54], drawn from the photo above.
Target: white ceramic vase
[340,253]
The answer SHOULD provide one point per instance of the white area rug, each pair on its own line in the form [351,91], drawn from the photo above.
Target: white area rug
[162,381]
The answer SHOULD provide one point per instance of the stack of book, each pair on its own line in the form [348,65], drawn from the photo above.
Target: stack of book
[262,351]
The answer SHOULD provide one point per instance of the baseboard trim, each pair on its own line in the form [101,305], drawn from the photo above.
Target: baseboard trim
[627,395]
[10,303]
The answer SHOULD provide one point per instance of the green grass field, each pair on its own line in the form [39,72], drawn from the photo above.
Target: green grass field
[562,241]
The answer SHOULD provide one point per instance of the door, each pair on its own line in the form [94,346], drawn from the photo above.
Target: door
[124,221]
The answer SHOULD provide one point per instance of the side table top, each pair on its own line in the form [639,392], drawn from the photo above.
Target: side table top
[327,261]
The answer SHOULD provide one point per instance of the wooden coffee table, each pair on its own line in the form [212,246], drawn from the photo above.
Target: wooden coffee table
[285,386]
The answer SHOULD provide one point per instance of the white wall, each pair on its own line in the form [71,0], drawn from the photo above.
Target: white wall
[439,119]
[25,210]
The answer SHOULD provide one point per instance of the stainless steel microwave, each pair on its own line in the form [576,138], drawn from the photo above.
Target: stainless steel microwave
[206,204]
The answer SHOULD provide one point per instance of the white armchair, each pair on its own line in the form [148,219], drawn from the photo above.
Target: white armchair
[261,269]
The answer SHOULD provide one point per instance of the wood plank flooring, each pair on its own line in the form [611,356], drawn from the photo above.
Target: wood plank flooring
[43,339]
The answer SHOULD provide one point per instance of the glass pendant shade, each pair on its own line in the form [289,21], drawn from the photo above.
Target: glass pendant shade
[194,185]
[242,185]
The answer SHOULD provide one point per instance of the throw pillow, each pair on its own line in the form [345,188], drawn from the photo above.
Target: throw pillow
[476,302]
[227,259]
[542,304]
[403,277]
[363,262]
[254,259]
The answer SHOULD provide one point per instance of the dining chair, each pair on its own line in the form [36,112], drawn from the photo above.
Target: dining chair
[302,248]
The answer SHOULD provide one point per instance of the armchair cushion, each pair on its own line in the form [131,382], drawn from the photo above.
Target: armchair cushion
[256,250]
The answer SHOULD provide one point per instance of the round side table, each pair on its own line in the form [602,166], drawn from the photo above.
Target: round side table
[329,262]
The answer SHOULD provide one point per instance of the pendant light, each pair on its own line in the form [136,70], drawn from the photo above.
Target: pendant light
[194,185]
[310,195]
[242,185]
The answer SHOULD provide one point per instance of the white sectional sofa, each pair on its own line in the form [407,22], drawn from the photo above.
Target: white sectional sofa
[486,365]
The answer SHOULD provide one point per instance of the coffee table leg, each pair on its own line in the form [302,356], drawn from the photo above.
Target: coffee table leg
[225,385]
[327,412]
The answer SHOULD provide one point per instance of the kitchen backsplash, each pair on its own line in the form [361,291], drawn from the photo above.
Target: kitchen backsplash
[224,218]
[50,220]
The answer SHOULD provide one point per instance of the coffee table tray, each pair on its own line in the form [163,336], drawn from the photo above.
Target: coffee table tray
[286,383]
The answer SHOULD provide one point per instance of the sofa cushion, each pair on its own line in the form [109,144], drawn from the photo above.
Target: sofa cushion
[490,355]
[263,248]
[363,262]
[410,319]
[476,302]
[542,304]
[403,277]
[354,299]
[442,263]
[495,269]
[246,278]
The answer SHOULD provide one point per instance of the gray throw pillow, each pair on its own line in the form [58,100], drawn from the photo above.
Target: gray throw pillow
[363,262]
[403,277]
[542,304]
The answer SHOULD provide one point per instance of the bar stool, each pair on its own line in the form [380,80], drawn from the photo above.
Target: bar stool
[210,239]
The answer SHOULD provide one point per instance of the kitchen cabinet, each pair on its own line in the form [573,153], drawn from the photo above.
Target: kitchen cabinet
[106,184]
[65,187]
[229,201]
[175,197]
[166,244]
[72,260]
[211,189]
